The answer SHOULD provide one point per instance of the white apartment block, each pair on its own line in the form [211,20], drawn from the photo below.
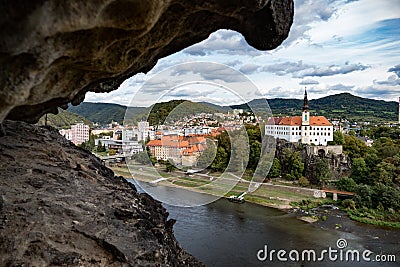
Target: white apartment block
[78,133]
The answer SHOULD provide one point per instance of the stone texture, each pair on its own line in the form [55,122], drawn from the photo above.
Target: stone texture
[53,52]
[60,206]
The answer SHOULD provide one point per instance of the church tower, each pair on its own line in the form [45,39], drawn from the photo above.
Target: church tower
[305,121]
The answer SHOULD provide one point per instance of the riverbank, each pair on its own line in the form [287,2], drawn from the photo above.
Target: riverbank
[266,195]
[325,216]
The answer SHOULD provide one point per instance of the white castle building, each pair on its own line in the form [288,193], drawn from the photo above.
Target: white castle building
[308,129]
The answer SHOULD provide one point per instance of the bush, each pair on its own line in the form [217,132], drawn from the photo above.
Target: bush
[346,184]
[303,181]
[348,204]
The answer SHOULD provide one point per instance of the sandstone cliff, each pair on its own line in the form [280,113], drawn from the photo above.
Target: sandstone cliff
[60,206]
[53,52]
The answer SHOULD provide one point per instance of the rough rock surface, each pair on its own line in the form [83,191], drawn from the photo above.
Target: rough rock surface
[60,206]
[53,52]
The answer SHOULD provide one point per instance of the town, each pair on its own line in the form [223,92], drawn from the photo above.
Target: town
[322,157]
[185,140]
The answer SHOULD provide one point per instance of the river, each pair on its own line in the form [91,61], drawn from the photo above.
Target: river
[229,234]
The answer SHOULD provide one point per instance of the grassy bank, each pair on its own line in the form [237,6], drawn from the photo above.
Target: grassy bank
[266,196]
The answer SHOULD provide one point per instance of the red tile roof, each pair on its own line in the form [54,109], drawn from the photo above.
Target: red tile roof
[154,143]
[319,121]
[296,121]
[292,121]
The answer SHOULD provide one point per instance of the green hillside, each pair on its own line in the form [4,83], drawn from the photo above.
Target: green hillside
[356,108]
[178,109]
[343,105]
[102,113]
[64,119]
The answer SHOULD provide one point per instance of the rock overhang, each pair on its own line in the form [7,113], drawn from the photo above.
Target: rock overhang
[53,52]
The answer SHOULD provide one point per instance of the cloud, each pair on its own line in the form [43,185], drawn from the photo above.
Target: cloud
[233,63]
[306,13]
[392,80]
[136,80]
[285,68]
[377,92]
[340,87]
[301,70]
[395,69]
[308,82]
[280,92]
[190,93]
[158,84]
[222,42]
[210,72]
[321,71]
[249,68]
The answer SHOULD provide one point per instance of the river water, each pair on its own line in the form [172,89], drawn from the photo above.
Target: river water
[229,234]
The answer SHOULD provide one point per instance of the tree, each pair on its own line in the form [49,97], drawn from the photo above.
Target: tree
[85,145]
[225,142]
[320,172]
[323,171]
[386,173]
[208,155]
[221,160]
[360,172]
[346,184]
[170,166]
[240,153]
[254,157]
[275,170]
[386,147]
[294,166]
[112,152]
[354,147]
[91,141]
[338,138]
[100,147]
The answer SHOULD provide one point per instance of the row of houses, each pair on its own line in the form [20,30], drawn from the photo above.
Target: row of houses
[183,150]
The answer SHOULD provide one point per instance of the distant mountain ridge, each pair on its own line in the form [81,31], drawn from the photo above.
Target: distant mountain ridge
[104,113]
[343,105]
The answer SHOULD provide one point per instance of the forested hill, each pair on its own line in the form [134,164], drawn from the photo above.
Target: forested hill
[102,113]
[64,119]
[343,105]
[177,109]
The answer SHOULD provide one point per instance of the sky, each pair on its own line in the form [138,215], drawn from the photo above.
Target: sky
[334,46]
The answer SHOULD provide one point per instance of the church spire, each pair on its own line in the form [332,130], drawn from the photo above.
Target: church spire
[305,104]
